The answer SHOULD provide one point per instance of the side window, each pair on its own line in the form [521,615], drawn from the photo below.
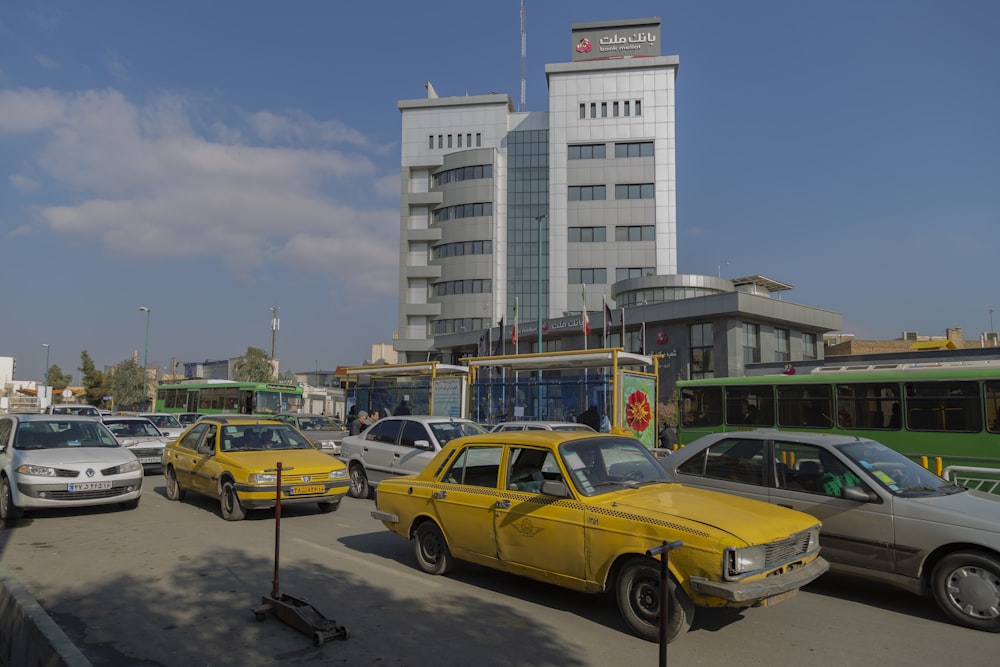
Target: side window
[475,466]
[737,460]
[207,446]
[528,468]
[413,431]
[190,441]
[385,431]
[5,429]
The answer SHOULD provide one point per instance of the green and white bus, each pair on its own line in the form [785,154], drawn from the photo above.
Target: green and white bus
[225,396]
[939,414]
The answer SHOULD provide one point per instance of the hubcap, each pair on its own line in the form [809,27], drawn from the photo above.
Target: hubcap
[975,591]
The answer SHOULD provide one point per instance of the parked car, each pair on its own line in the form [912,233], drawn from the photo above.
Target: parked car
[398,446]
[73,409]
[540,426]
[188,418]
[581,510]
[166,422]
[233,458]
[141,436]
[51,461]
[883,515]
[324,432]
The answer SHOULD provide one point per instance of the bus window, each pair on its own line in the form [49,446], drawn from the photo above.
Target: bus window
[701,406]
[943,406]
[868,405]
[805,406]
[992,391]
[750,406]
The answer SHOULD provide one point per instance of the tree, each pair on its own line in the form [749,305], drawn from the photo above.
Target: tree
[92,380]
[127,386]
[287,377]
[254,366]
[55,379]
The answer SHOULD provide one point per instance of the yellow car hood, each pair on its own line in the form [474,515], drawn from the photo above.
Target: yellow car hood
[753,521]
[300,459]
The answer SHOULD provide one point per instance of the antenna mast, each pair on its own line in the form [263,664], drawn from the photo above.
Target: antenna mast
[275,323]
[523,53]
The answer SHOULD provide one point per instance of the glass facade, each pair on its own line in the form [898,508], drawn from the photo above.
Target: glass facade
[527,225]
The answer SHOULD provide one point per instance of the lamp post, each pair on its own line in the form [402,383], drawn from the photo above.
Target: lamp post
[45,375]
[145,357]
[539,219]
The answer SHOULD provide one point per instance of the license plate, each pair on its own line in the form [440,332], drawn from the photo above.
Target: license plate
[780,597]
[149,459]
[90,486]
[306,490]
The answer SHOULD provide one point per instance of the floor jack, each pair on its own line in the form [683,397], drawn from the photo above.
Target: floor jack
[294,611]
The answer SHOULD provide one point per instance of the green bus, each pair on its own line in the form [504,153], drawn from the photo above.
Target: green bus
[225,396]
[948,413]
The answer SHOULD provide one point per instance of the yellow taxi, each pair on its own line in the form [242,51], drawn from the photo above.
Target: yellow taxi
[583,511]
[234,458]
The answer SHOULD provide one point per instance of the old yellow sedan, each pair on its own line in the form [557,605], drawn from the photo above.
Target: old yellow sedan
[582,511]
[234,458]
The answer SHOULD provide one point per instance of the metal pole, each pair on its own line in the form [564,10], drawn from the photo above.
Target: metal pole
[45,375]
[276,587]
[538,388]
[145,358]
[664,552]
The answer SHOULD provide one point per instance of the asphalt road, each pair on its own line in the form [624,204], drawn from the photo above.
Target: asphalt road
[174,584]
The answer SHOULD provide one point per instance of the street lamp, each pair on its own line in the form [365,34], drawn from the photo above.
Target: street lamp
[539,219]
[45,375]
[145,357]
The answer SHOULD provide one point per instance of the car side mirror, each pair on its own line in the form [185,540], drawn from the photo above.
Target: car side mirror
[857,494]
[553,487]
[423,444]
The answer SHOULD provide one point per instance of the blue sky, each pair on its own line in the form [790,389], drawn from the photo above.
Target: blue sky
[212,160]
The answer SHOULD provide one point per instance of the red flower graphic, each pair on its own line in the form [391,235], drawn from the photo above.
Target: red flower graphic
[638,412]
[584,46]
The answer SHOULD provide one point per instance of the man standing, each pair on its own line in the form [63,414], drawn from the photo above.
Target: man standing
[359,423]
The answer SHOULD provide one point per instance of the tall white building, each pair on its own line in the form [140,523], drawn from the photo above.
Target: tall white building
[540,209]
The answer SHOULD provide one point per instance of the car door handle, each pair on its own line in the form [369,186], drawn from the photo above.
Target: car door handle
[503,504]
[439,495]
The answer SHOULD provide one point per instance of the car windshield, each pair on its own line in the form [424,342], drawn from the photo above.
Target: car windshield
[319,424]
[84,410]
[600,465]
[447,431]
[58,434]
[188,418]
[257,437]
[894,471]
[164,421]
[132,428]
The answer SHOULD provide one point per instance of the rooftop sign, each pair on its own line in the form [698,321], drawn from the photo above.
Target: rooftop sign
[616,39]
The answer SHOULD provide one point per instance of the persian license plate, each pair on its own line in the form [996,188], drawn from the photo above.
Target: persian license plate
[149,459]
[780,597]
[90,486]
[306,490]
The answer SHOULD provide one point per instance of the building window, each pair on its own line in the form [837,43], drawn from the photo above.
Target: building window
[604,109]
[614,109]
[459,140]
[479,139]
[463,211]
[635,191]
[463,174]
[463,248]
[634,149]
[782,345]
[751,343]
[588,276]
[440,141]
[587,152]
[593,110]
[468,140]
[471,286]
[587,192]
[634,272]
[430,142]
[635,233]
[583,111]
[449,141]
[626,107]
[702,344]
[587,234]
[638,107]
[809,350]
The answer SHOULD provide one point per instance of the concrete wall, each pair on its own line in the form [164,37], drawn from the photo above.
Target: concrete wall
[28,637]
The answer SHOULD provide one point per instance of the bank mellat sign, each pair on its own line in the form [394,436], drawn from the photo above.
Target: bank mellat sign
[616,39]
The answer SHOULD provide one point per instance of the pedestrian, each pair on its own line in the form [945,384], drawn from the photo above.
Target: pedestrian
[605,423]
[359,423]
[404,407]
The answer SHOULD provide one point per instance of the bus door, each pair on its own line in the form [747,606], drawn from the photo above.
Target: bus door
[192,401]
[246,403]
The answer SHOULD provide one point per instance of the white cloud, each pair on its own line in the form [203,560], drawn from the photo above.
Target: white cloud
[152,187]
[23,183]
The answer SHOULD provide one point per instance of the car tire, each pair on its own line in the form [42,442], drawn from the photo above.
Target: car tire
[326,508]
[966,585]
[232,510]
[433,555]
[360,488]
[174,490]
[638,593]
[8,510]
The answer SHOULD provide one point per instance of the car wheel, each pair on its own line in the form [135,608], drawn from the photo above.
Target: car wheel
[433,555]
[638,593]
[966,585]
[8,510]
[232,510]
[326,508]
[174,490]
[360,488]
[129,504]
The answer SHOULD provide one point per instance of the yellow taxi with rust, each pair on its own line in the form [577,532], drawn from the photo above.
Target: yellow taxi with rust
[235,457]
[585,511]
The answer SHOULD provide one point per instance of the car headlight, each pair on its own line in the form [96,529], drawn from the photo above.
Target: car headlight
[37,471]
[262,478]
[340,473]
[747,559]
[813,540]
[326,444]
[131,466]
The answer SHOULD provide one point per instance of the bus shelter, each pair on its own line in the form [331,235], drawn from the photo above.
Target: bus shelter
[559,386]
[431,388]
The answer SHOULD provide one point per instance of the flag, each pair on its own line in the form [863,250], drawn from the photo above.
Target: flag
[623,329]
[642,339]
[484,347]
[609,319]
[499,346]
[513,332]
[586,319]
